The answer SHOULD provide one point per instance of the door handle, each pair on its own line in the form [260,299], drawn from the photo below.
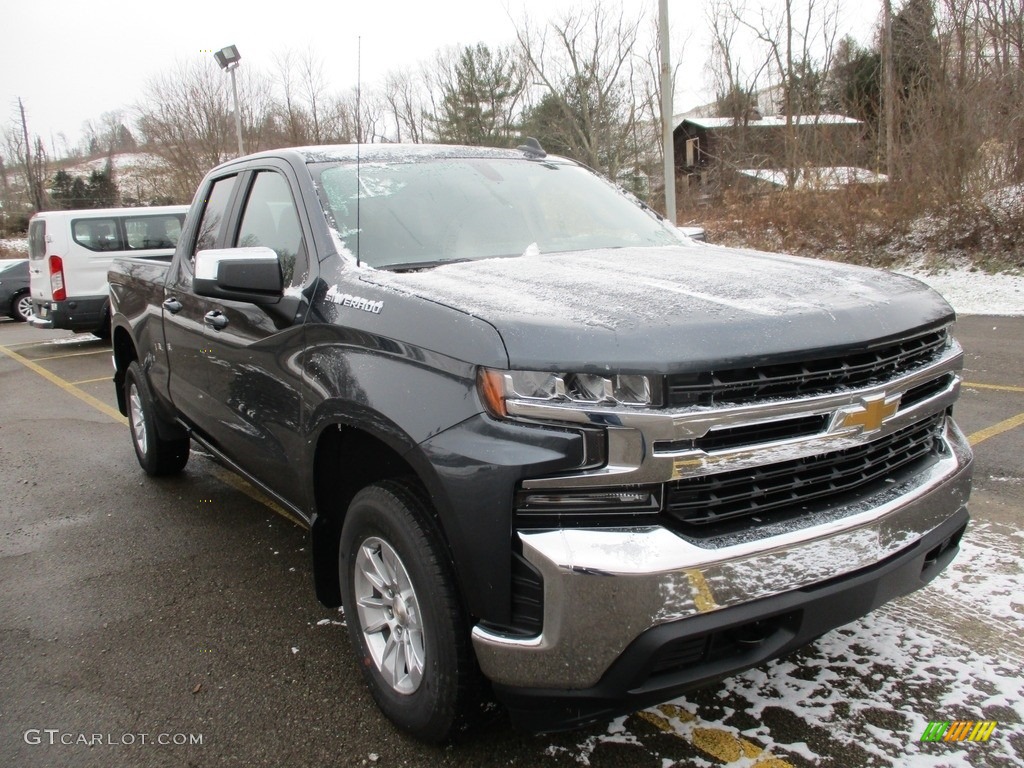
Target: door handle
[216,319]
[172,305]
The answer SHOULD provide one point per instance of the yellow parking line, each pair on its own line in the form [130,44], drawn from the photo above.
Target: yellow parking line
[996,429]
[74,354]
[223,475]
[996,387]
[67,386]
[93,381]
[719,743]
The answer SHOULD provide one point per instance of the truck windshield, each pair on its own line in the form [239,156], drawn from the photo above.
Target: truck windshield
[415,214]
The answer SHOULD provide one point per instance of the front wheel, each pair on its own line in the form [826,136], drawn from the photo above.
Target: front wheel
[404,618]
[156,455]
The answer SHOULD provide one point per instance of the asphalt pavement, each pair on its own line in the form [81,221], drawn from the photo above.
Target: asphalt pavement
[172,622]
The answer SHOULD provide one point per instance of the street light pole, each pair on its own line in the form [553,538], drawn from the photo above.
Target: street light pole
[228,59]
[238,112]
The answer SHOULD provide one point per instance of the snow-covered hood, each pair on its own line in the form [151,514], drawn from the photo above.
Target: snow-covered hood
[672,309]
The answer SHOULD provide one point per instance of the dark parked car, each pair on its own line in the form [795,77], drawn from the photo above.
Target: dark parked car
[14,295]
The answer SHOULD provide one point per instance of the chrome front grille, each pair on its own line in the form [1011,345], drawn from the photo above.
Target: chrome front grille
[792,484]
[860,368]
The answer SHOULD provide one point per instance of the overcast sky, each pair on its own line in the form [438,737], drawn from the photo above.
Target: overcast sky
[71,60]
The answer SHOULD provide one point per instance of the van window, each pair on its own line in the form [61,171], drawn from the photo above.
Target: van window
[147,232]
[37,239]
[97,234]
[214,215]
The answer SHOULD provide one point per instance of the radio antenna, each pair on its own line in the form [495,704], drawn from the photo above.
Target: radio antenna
[359,138]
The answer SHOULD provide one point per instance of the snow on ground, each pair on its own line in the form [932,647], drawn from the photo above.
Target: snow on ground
[122,162]
[15,244]
[974,292]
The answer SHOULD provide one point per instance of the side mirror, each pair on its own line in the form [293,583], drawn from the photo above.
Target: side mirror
[694,233]
[239,274]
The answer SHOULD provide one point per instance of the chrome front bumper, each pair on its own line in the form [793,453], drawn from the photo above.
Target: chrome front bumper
[604,588]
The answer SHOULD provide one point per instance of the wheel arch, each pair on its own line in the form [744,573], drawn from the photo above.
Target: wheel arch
[347,459]
[125,354]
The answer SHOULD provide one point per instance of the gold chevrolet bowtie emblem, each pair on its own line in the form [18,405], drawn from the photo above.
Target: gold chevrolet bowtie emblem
[873,414]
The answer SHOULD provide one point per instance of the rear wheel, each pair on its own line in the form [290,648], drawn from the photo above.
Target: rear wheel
[404,618]
[158,456]
[21,307]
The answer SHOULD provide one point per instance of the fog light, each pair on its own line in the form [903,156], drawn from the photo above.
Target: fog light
[631,500]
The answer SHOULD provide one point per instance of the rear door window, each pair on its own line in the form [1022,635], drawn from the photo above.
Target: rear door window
[37,239]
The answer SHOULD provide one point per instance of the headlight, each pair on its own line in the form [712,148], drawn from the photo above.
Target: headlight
[571,389]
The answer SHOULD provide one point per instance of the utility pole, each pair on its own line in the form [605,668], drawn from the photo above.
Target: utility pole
[668,143]
[889,91]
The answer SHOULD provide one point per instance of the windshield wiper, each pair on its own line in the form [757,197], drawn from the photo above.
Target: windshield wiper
[416,266]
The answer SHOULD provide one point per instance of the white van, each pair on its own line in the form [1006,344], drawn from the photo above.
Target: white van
[71,251]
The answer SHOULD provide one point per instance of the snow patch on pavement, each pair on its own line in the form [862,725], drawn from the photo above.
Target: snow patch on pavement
[974,292]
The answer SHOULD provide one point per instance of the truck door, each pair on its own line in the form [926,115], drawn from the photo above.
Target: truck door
[188,353]
[254,375]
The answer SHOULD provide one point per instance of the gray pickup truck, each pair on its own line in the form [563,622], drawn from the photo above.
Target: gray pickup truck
[549,449]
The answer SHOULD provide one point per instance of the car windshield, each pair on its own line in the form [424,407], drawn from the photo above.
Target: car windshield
[424,212]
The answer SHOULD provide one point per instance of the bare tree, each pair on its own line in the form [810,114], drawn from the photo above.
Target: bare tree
[186,119]
[31,157]
[736,79]
[403,96]
[585,65]
[293,128]
[313,87]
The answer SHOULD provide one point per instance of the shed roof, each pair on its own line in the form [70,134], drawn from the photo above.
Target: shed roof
[769,121]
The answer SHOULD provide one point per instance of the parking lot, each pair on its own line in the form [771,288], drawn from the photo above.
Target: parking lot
[172,622]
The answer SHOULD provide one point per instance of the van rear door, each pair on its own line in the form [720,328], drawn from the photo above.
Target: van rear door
[39,273]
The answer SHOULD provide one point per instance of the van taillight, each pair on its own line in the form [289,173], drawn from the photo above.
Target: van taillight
[57,279]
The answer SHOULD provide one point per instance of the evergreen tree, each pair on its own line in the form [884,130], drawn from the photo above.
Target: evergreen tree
[855,82]
[80,196]
[102,188]
[806,88]
[738,103]
[915,47]
[61,191]
[584,119]
[479,98]
[99,190]
[124,141]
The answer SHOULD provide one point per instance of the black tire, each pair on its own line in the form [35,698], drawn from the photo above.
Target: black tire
[425,613]
[156,455]
[21,306]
